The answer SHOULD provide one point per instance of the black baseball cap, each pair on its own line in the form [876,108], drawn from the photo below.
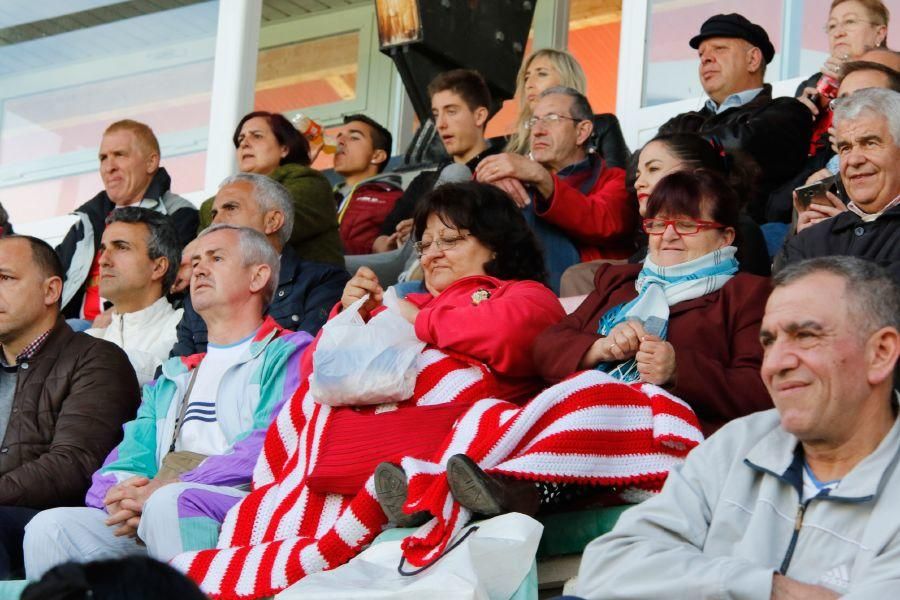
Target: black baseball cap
[735,26]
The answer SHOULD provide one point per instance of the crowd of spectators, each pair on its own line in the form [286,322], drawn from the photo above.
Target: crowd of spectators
[737,278]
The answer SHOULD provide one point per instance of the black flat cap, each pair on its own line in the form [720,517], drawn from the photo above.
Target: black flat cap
[735,26]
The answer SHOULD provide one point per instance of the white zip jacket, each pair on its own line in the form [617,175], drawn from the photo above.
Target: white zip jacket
[146,336]
[730,517]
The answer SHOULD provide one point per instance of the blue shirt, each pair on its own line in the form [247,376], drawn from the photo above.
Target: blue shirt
[734,100]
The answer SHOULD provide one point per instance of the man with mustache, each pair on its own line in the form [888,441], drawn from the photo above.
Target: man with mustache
[307,290]
[797,502]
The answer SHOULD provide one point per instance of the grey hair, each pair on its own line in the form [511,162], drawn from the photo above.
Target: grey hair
[270,195]
[581,108]
[880,101]
[872,292]
[163,240]
[255,250]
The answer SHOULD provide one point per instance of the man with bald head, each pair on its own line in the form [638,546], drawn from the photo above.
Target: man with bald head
[63,395]
[306,291]
[741,114]
[129,167]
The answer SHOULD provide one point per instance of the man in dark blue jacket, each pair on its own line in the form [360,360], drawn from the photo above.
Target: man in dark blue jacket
[306,290]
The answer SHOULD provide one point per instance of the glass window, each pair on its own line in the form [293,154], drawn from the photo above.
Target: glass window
[670,66]
[71,68]
[594,27]
[307,73]
[593,34]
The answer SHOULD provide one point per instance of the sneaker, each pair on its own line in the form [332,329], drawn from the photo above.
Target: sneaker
[391,490]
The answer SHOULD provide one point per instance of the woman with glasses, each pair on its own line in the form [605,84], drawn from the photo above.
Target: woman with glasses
[482,304]
[685,319]
[853,27]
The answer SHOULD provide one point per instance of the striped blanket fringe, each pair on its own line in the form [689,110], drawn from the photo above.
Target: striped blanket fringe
[588,429]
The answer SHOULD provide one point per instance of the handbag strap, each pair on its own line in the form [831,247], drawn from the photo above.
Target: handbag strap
[400,570]
[184,404]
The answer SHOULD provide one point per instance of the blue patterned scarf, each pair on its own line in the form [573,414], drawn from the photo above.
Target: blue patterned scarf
[661,287]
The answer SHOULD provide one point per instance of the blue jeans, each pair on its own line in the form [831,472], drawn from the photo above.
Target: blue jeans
[559,251]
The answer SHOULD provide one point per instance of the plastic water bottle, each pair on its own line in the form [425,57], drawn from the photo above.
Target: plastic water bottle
[309,128]
[315,133]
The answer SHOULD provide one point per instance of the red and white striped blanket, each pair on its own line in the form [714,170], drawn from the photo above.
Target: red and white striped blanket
[590,429]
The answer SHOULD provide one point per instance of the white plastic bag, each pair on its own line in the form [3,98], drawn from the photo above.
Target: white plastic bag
[489,564]
[357,363]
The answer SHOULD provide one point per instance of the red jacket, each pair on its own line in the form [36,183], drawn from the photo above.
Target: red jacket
[499,331]
[601,220]
[716,341]
[369,205]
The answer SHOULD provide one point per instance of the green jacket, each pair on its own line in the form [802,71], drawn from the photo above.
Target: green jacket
[315,235]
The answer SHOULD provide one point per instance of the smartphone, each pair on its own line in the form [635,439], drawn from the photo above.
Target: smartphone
[814,193]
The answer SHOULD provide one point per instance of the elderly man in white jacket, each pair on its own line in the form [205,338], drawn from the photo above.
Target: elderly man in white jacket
[792,503]
[139,259]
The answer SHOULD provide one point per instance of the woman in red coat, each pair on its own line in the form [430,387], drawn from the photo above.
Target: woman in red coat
[685,319]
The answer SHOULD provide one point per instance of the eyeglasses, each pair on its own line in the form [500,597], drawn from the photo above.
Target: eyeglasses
[547,120]
[845,25]
[682,226]
[438,245]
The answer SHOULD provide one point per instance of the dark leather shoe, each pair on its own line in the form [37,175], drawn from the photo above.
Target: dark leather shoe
[391,490]
[487,495]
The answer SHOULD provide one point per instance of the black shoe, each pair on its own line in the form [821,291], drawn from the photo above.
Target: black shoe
[391,489]
[487,495]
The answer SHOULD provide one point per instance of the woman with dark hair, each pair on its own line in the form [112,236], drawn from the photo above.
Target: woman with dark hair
[684,324]
[672,152]
[686,319]
[481,306]
[267,144]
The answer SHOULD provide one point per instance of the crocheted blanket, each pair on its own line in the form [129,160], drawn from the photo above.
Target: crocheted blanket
[590,428]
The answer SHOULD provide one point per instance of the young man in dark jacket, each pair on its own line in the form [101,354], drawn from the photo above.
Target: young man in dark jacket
[63,396]
[306,290]
[367,195]
[461,107]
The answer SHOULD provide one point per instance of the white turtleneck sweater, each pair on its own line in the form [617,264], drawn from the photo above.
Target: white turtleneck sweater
[146,336]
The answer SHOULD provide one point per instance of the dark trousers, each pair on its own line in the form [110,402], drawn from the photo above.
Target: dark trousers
[13,520]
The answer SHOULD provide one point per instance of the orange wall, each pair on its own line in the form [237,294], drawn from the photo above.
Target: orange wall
[597,49]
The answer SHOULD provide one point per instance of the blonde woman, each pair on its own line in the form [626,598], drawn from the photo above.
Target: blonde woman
[542,70]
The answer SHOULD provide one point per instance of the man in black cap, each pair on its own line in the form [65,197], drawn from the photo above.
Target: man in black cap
[741,116]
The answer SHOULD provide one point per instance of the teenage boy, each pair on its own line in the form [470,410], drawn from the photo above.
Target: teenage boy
[367,195]
[461,107]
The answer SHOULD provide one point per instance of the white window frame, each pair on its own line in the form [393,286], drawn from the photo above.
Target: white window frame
[639,124]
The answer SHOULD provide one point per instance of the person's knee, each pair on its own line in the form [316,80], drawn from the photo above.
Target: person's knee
[44,527]
[162,505]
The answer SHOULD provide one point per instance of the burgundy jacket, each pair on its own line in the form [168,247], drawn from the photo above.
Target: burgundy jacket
[716,341]
[370,204]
